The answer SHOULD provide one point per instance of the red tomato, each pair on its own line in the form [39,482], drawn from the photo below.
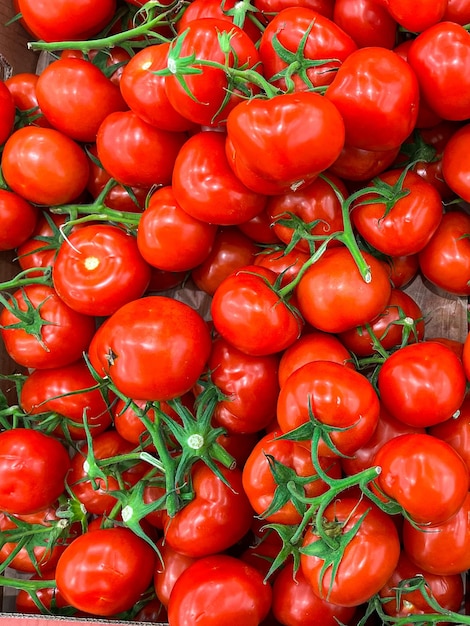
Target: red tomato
[206,187]
[65,20]
[48,596]
[259,229]
[259,127]
[22,87]
[456,431]
[217,517]
[127,560]
[368,561]
[417,17]
[75,96]
[136,153]
[17,220]
[367,22]
[159,345]
[318,37]
[455,163]
[422,384]
[223,589]
[40,249]
[356,164]
[52,334]
[332,295]
[249,314]
[70,393]
[337,396]
[262,484]
[44,166]
[33,467]
[98,269]
[287,264]
[111,61]
[377,94]
[7,112]
[402,269]
[457,11]
[269,7]
[424,474]
[168,568]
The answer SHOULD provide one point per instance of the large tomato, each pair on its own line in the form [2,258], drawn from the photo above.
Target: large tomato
[153,348]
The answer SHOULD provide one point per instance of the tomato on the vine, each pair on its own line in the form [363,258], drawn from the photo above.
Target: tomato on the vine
[7,112]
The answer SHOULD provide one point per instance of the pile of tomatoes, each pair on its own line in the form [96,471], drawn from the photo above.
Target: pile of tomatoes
[226,407]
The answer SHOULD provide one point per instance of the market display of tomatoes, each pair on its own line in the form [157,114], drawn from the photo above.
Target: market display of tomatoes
[224,406]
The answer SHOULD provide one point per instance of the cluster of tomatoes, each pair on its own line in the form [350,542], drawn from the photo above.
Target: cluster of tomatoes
[226,406]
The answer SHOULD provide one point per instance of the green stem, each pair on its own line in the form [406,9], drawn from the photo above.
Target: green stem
[23,279]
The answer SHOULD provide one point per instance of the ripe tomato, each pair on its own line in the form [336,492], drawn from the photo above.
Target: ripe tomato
[22,87]
[270,7]
[258,127]
[168,568]
[456,431]
[52,334]
[18,220]
[369,558]
[7,112]
[223,589]
[337,396]
[367,21]
[33,467]
[48,596]
[127,560]
[418,17]
[455,163]
[332,295]
[287,264]
[98,269]
[422,384]
[44,166]
[217,517]
[377,94]
[39,250]
[153,348]
[425,475]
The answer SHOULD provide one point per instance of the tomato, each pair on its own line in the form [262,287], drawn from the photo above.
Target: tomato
[128,423]
[337,396]
[258,127]
[422,384]
[262,485]
[127,560]
[445,261]
[66,20]
[98,269]
[455,163]
[44,166]
[356,164]
[51,333]
[390,328]
[223,589]
[377,94]
[33,467]
[287,264]
[7,110]
[17,219]
[456,431]
[231,250]
[440,58]
[168,569]
[159,348]
[268,7]
[22,87]
[317,207]
[259,229]
[442,550]
[217,518]
[325,40]
[75,96]
[144,91]
[135,153]
[70,393]
[152,611]
[111,61]
[402,270]
[295,604]
[409,224]
[332,295]
[446,591]
[369,558]
[207,96]
[39,250]
[424,474]
[48,596]
[314,345]
[249,314]
[457,11]
[367,22]
[206,187]
[250,384]
[416,18]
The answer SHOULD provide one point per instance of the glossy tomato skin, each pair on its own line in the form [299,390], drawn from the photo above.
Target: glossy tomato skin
[270,7]
[44,166]
[424,474]
[206,187]
[419,17]
[357,164]
[338,396]
[217,518]
[160,348]
[127,559]
[456,431]
[48,596]
[316,137]
[75,96]
[332,295]
[168,569]
[33,467]
[367,22]
[377,94]
[98,269]
[22,87]
[64,336]
[18,220]
[7,110]
[369,558]
[422,384]
[248,313]
[455,165]
[222,588]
